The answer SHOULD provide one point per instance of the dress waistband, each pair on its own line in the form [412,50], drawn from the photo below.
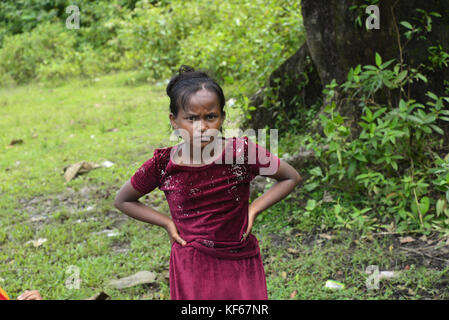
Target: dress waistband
[228,249]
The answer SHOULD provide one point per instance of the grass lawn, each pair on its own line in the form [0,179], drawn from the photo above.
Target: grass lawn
[105,119]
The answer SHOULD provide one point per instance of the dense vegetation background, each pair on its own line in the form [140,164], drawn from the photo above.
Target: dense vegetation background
[235,40]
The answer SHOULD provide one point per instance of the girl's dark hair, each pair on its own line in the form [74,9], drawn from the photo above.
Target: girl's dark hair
[187,82]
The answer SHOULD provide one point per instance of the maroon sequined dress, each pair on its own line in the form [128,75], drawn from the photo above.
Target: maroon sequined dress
[209,206]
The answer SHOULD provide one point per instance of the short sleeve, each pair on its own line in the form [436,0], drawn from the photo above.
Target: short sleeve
[260,160]
[148,176]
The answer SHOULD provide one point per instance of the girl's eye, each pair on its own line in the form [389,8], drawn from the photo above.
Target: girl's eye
[211,116]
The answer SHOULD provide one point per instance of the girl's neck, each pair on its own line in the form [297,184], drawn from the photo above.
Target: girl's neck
[184,146]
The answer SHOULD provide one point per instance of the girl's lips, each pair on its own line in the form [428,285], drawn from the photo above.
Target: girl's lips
[203,138]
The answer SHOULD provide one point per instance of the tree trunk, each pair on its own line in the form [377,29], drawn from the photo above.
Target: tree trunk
[335,43]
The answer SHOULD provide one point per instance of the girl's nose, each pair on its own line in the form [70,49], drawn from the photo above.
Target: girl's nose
[200,126]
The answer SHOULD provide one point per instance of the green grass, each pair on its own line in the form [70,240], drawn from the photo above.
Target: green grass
[68,123]
[298,261]
[61,126]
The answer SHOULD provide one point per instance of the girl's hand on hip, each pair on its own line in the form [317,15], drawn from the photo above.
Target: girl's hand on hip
[251,218]
[174,235]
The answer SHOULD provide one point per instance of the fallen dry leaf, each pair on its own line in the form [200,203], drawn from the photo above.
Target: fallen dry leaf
[423,238]
[388,274]
[140,277]
[291,250]
[81,167]
[37,243]
[406,239]
[410,292]
[369,236]
[327,197]
[390,227]
[326,236]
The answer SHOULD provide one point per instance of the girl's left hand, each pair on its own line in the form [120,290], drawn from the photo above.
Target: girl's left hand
[174,235]
[251,218]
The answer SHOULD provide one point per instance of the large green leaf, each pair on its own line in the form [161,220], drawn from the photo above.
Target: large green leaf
[424,205]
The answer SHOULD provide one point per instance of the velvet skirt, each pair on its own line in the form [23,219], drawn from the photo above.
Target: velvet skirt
[195,275]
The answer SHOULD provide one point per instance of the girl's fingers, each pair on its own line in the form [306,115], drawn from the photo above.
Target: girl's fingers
[180,240]
[174,235]
[248,230]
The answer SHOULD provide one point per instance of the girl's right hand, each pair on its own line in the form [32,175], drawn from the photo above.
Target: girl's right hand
[174,235]
[30,295]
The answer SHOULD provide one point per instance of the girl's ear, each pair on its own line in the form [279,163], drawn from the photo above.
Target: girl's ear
[172,120]
[222,121]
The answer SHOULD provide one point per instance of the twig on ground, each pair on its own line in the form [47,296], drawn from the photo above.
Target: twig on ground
[424,254]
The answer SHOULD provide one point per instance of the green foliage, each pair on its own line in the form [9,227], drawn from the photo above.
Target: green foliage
[267,32]
[154,37]
[150,36]
[423,26]
[438,58]
[391,159]
[31,54]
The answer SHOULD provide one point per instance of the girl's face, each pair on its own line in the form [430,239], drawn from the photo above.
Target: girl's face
[201,118]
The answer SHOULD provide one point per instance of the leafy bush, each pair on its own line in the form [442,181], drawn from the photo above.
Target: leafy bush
[393,158]
[150,36]
[235,40]
[245,40]
[26,55]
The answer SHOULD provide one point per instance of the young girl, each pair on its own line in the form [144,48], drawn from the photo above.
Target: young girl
[214,256]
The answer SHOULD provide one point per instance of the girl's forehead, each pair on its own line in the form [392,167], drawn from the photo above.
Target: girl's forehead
[203,101]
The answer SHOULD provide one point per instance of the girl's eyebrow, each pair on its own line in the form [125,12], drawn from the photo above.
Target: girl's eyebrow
[189,114]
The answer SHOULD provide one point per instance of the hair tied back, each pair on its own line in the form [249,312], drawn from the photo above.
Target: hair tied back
[184,68]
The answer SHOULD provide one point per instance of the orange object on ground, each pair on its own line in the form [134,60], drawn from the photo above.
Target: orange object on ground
[3,295]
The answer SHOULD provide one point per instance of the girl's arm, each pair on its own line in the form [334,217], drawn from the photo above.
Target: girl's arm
[126,201]
[287,179]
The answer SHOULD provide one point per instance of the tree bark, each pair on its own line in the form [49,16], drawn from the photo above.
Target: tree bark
[335,43]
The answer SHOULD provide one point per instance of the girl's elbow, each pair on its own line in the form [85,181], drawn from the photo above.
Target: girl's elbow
[117,203]
[298,179]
